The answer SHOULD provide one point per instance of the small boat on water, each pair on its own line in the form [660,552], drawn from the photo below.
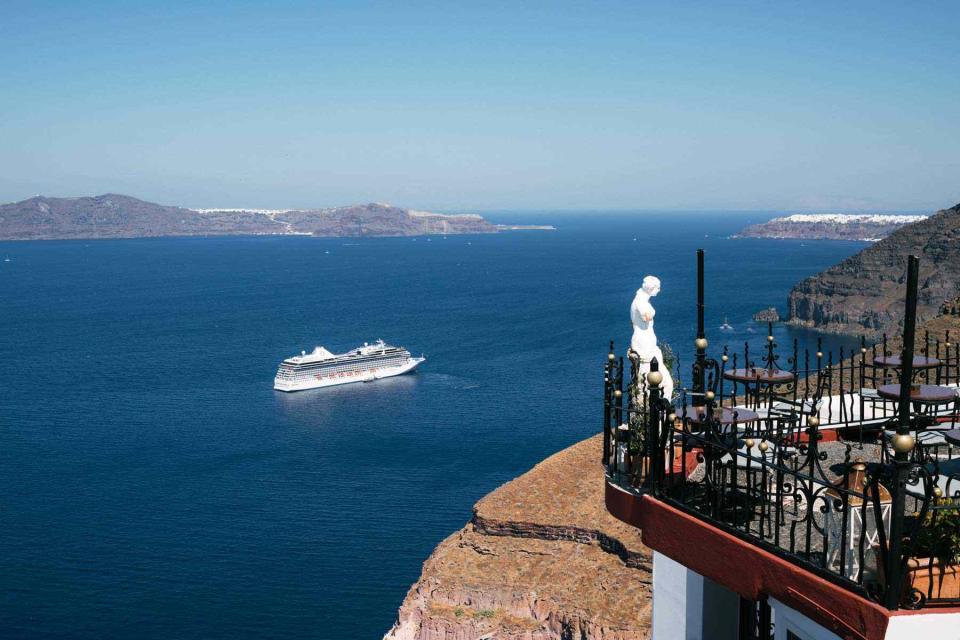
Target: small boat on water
[322,368]
[726,325]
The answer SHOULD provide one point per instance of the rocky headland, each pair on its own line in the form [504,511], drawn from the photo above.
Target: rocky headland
[120,216]
[864,294]
[770,314]
[541,559]
[829,226]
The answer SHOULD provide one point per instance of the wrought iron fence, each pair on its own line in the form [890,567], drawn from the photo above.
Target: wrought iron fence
[828,507]
[875,510]
[846,380]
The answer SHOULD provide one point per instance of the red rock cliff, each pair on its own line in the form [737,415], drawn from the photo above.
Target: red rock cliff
[540,560]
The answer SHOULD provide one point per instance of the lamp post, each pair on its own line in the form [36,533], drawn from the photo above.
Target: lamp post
[607,401]
[654,448]
[699,384]
[906,358]
[902,442]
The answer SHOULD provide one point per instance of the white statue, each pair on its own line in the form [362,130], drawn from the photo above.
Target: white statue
[644,341]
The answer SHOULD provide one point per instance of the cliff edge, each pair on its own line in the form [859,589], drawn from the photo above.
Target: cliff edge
[864,293]
[541,559]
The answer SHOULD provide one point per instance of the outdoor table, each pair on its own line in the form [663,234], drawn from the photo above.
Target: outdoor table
[921,364]
[759,376]
[920,393]
[952,437]
[754,377]
[724,415]
[895,362]
[729,423]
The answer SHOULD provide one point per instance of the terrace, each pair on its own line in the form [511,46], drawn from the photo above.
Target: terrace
[841,473]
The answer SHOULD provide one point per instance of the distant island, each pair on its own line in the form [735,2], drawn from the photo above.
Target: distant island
[120,216]
[830,226]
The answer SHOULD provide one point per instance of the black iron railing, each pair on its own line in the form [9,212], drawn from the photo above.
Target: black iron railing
[876,510]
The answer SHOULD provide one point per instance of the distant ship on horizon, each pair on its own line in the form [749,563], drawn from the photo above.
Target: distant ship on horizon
[322,368]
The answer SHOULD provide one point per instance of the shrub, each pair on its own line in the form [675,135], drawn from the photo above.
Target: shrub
[938,536]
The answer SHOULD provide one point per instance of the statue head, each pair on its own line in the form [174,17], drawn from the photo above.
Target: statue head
[651,285]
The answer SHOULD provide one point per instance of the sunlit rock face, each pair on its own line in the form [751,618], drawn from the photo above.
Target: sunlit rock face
[540,560]
[865,293]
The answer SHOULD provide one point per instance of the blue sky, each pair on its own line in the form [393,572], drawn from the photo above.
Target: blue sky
[460,106]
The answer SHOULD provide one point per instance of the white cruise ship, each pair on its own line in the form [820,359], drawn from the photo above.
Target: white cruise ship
[321,368]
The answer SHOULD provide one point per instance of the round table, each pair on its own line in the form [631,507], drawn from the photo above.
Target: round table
[758,375]
[952,436]
[723,415]
[920,393]
[753,377]
[896,362]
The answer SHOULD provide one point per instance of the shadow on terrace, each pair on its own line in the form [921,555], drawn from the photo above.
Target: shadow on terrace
[845,468]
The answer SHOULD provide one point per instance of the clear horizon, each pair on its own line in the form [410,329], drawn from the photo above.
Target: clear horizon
[606,107]
[525,211]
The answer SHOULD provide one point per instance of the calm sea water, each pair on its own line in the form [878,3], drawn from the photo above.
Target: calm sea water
[153,485]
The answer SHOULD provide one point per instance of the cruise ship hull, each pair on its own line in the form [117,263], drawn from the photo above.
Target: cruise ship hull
[320,381]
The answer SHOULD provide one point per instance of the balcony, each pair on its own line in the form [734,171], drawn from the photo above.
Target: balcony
[843,472]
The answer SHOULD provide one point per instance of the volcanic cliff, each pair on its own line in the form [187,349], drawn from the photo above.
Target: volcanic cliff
[541,559]
[864,293]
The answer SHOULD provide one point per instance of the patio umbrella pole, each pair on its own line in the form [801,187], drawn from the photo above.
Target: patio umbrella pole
[906,358]
[903,444]
[699,383]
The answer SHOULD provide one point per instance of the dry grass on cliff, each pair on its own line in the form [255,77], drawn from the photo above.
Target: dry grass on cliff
[531,578]
[541,560]
[565,489]
[489,618]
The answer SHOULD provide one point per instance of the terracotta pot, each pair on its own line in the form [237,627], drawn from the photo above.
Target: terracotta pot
[929,576]
[933,578]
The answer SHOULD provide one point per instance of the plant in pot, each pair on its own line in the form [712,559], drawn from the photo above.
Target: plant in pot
[933,569]
[637,428]
[640,414]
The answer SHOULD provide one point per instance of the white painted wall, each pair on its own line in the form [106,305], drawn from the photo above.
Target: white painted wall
[787,619]
[928,625]
[687,606]
[677,601]
[924,626]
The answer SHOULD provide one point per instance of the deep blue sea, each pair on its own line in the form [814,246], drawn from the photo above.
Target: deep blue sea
[153,485]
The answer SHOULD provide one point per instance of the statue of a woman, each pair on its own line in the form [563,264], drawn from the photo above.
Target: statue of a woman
[644,341]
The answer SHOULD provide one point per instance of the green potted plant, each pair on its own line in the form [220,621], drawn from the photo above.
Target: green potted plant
[639,420]
[934,566]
